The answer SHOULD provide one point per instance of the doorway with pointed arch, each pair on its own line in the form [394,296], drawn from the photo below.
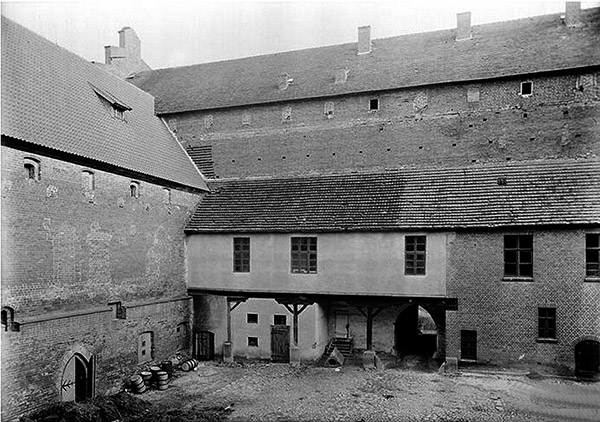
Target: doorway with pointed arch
[77,381]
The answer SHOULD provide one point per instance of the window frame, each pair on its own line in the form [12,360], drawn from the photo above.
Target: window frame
[253,340]
[251,318]
[279,316]
[303,255]
[241,254]
[518,261]
[524,83]
[89,180]
[468,343]
[134,185]
[33,168]
[547,324]
[592,274]
[414,257]
[376,102]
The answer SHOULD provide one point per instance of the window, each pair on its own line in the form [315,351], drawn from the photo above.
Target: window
[246,118]
[518,256]
[304,255]
[118,113]
[208,121]
[32,169]
[241,254]
[373,104]
[328,109]
[279,320]
[167,195]
[526,89]
[134,189]
[547,323]
[252,318]
[286,114]
[252,341]
[88,180]
[592,255]
[414,253]
[468,344]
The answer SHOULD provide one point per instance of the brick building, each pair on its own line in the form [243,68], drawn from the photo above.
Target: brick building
[96,192]
[480,142]
[430,193]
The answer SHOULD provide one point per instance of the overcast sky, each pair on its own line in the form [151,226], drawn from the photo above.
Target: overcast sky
[178,33]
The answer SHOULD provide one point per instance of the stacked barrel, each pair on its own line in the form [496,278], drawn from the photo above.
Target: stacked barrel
[157,376]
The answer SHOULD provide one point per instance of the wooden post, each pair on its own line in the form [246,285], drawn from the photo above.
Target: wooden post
[229,322]
[295,324]
[369,328]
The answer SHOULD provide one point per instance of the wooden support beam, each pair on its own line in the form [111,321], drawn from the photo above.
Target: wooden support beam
[293,309]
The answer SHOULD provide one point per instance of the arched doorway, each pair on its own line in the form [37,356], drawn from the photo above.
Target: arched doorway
[77,383]
[416,332]
[587,359]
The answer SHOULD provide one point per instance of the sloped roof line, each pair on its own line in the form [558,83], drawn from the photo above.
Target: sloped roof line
[562,192]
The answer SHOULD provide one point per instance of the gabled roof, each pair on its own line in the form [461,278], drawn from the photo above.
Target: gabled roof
[549,192]
[54,99]
[496,50]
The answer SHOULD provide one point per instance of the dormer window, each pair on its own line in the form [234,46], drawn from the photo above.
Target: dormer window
[526,89]
[134,189]
[284,81]
[116,107]
[341,76]
[32,169]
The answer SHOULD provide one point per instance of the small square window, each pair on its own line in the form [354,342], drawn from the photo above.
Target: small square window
[279,320]
[252,341]
[32,169]
[88,180]
[373,104]
[252,318]
[526,89]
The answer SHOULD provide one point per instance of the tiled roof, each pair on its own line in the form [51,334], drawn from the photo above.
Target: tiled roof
[55,99]
[551,192]
[522,46]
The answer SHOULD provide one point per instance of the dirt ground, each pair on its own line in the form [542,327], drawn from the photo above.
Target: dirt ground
[410,390]
[253,391]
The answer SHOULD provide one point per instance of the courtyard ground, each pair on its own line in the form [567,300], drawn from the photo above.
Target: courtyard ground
[254,391]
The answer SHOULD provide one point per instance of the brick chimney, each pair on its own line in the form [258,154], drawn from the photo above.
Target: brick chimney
[364,39]
[573,13]
[125,59]
[463,26]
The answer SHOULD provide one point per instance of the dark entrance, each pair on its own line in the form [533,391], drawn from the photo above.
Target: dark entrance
[204,345]
[416,332]
[280,343]
[77,382]
[587,359]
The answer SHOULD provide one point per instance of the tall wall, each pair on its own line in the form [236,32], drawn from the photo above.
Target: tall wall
[67,251]
[453,124]
[505,313]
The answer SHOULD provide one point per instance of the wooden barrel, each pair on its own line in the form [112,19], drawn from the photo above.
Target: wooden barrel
[155,370]
[162,380]
[189,364]
[137,384]
[167,366]
[147,377]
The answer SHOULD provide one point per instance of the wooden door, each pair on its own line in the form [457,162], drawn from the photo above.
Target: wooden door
[77,379]
[587,359]
[204,345]
[342,324]
[280,343]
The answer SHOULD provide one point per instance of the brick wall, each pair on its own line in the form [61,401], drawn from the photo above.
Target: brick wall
[505,314]
[429,125]
[67,251]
